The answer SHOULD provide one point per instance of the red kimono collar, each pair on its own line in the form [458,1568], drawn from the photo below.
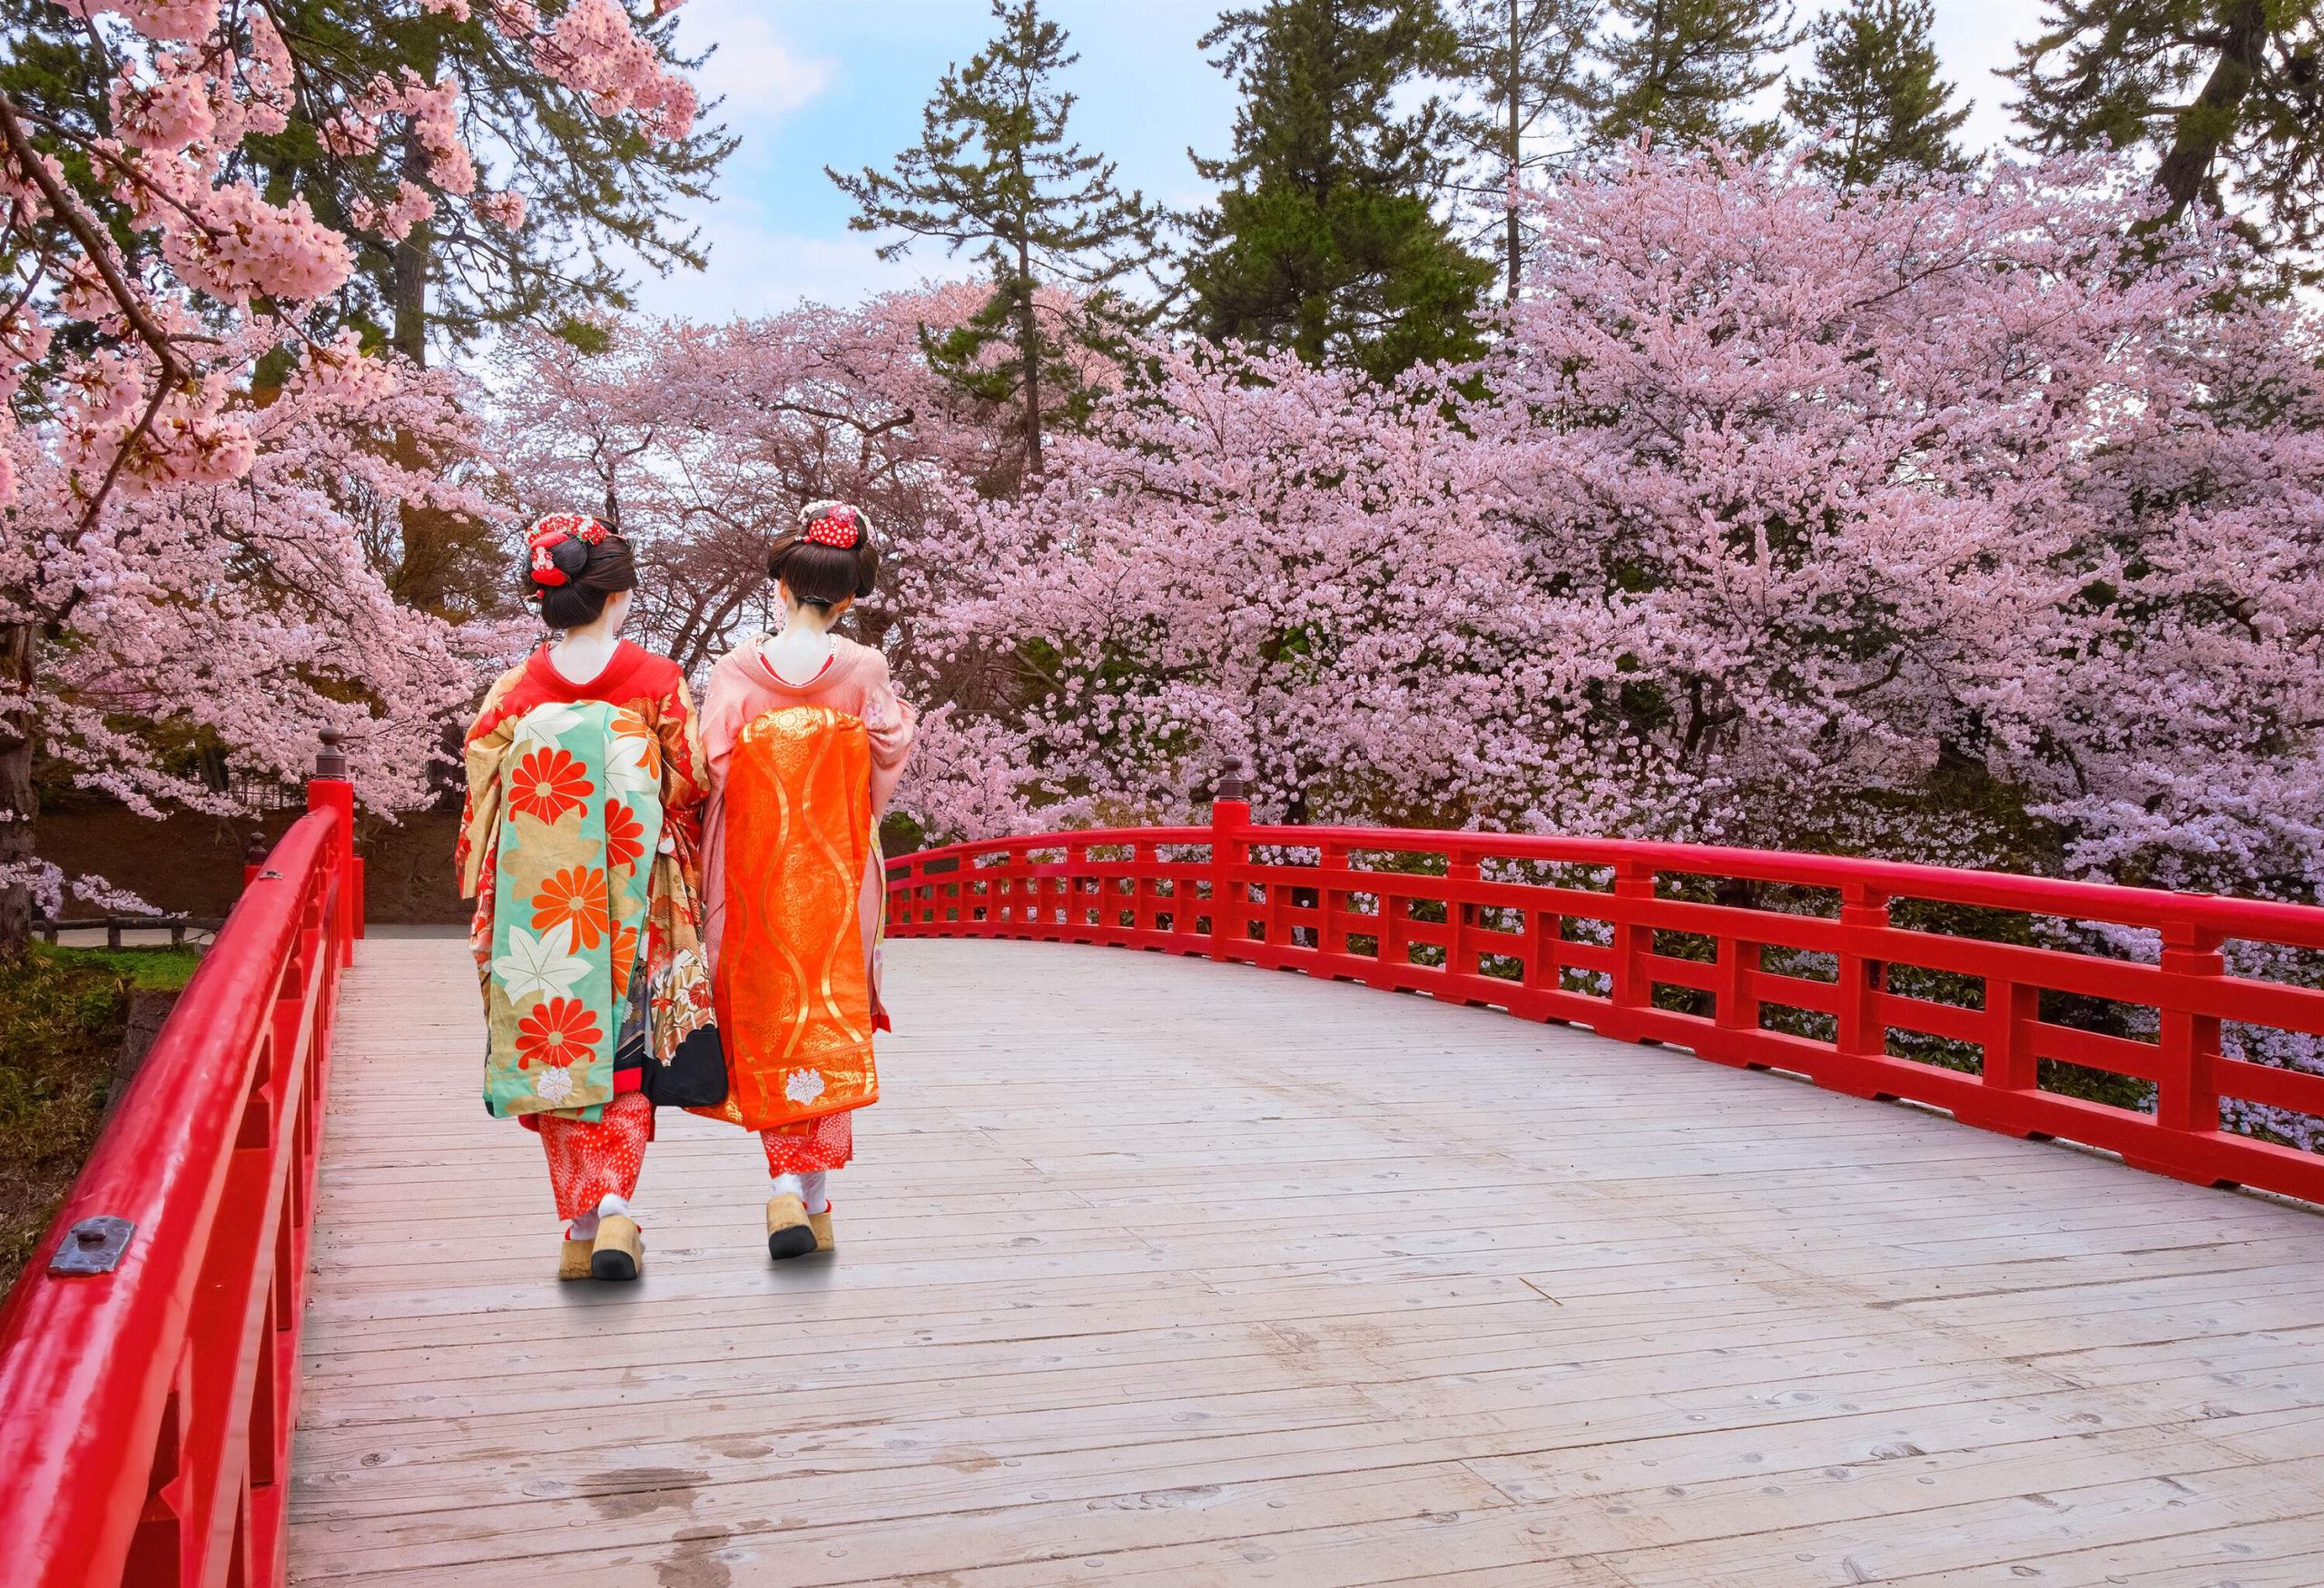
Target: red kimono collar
[612,684]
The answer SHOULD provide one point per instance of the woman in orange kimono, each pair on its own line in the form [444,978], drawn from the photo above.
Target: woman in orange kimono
[805,741]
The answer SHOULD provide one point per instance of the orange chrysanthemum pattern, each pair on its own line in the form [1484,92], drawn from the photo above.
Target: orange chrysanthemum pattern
[625,958]
[574,897]
[559,1032]
[550,783]
[625,834]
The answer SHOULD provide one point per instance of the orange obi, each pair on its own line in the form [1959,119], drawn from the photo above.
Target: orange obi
[793,994]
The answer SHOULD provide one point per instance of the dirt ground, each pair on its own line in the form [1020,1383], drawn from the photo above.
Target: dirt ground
[192,865]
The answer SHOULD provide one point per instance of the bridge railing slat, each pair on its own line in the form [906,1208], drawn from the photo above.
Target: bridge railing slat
[1500,920]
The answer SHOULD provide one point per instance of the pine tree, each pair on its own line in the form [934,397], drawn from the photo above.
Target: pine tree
[994,170]
[1875,90]
[592,184]
[2228,93]
[1684,70]
[1522,58]
[1324,240]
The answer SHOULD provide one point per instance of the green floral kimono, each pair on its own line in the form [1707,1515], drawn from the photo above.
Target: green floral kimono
[582,809]
[578,845]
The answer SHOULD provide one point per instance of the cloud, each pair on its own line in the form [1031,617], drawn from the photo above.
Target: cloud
[759,268]
[760,75]
[763,78]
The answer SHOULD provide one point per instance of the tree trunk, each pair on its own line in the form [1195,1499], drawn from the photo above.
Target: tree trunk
[411,263]
[1029,346]
[1515,151]
[2205,126]
[422,577]
[19,645]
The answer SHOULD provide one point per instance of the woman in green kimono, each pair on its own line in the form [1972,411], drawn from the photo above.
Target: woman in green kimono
[578,843]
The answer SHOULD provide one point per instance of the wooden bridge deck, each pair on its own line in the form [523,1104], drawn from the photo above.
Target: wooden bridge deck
[1160,1272]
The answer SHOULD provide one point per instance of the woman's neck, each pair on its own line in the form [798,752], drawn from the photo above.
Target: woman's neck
[580,655]
[800,652]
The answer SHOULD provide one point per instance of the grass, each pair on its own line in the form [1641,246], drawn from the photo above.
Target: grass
[149,970]
[62,1014]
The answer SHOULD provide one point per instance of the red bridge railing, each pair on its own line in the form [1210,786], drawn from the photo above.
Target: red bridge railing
[149,1356]
[1840,994]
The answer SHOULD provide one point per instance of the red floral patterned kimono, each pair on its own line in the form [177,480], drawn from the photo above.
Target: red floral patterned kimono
[799,774]
[598,1151]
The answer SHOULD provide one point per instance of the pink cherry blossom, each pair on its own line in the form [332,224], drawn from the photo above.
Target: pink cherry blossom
[411,205]
[595,51]
[504,209]
[155,478]
[157,621]
[185,21]
[165,115]
[701,441]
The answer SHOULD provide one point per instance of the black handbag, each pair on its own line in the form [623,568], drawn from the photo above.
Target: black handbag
[695,1076]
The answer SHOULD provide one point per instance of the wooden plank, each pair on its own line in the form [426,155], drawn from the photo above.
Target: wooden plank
[1172,1273]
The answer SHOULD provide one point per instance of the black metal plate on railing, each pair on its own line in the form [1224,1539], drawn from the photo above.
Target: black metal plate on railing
[93,1245]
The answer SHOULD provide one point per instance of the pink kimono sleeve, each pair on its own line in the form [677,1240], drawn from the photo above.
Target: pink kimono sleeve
[890,723]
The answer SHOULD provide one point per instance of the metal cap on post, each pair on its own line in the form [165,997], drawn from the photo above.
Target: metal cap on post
[1231,788]
[331,761]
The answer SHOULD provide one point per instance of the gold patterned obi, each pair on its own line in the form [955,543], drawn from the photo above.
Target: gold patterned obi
[793,994]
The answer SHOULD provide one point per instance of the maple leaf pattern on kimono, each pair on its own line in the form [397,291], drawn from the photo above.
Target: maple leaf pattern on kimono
[544,724]
[633,765]
[540,964]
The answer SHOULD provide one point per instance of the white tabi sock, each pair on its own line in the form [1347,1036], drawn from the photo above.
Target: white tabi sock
[789,1186]
[585,1226]
[811,1192]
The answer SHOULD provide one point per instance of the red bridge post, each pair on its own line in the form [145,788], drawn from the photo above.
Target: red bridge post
[329,790]
[1862,979]
[1630,983]
[2186,1099]
[1230,817]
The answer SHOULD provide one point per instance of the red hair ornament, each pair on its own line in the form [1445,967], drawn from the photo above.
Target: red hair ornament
[836,527]
[544,539]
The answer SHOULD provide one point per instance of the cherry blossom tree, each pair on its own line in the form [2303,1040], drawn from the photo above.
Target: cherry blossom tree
[1251,558]
[1958,525]
[136,374]
[700,443]
[1953,524]
[242,617]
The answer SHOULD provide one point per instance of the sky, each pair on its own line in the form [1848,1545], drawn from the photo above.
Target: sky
[809,83]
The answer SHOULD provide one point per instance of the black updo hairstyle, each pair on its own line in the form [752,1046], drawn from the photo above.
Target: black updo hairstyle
[573,565]
[818,572]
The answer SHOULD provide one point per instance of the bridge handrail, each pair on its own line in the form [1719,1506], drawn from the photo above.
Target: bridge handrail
[146,1411]
[2268,920]
[1467,928]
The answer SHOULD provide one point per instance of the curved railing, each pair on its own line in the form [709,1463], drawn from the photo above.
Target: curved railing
[1840,997]
[149,1356]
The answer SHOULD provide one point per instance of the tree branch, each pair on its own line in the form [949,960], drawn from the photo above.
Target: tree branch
[84,231]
